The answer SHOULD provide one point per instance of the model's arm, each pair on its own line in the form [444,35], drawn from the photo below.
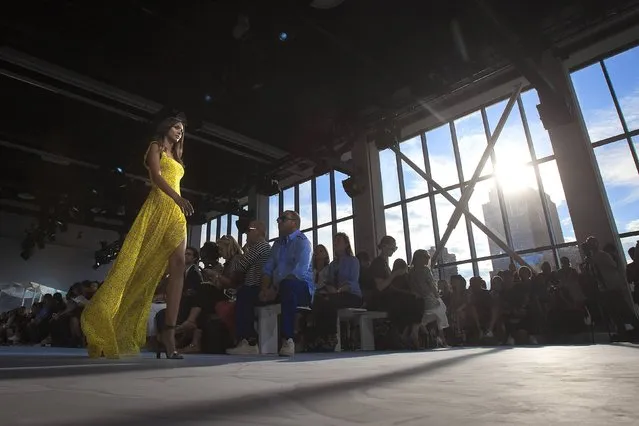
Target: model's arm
[152,161]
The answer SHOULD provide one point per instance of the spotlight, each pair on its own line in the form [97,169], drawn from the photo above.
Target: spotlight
[352,187]
[208,98]
[64,227]
[119,170]
[283,36]
[107,253]
[268,186]
[243,221]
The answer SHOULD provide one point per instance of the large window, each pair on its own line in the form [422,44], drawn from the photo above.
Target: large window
[518,197]
[222,225]
[324,208]
[608,93]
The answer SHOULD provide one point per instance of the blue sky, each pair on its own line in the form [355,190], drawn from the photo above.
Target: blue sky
[512,168]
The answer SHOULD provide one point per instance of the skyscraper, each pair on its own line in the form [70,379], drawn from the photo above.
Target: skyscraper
[446,272]
[526,223]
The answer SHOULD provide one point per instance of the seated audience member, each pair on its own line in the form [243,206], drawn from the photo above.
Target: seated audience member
[390,293]
[251,265]
[379,275]
[422,285]
[321,260]
[288,273]
[231,252]
[65,326]
[341,289]
[158,304]
[39,325]
[569,281]
[458,308]
[518,318]
[479,306]
[201,304]
[496,290]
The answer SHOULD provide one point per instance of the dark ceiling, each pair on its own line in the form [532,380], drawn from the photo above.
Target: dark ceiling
[339,71]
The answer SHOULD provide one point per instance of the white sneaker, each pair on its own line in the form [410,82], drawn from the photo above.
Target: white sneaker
[288,348]
[244,348]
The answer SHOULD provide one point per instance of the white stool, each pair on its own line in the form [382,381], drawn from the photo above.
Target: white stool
[366,329]
[346,314]
[268,328]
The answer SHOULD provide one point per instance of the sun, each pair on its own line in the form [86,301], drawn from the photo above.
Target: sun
[514,176]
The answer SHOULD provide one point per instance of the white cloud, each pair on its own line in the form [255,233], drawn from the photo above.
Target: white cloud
[630,107]
[511,172]
[632,226]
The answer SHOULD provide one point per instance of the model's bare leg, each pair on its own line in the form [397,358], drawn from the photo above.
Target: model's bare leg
[173,296]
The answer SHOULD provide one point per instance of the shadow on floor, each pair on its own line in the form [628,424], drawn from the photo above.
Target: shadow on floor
[257,403]
[36,362]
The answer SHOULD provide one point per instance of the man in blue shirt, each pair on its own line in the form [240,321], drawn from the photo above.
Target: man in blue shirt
[288,272]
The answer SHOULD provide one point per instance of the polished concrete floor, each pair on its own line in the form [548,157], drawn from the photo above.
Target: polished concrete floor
[572,385]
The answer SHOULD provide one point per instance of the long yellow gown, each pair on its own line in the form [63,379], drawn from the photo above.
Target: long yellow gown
[114,322]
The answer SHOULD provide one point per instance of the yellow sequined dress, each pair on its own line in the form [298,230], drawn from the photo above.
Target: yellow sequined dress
[114,322]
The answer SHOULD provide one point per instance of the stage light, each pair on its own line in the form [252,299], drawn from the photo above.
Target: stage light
[208,98]
[119,169]
[107,253]
[283,36]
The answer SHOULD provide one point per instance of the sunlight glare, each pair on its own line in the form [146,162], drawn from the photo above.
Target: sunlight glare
[513,174]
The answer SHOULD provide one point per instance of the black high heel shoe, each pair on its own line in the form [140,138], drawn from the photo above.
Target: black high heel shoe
[163,348]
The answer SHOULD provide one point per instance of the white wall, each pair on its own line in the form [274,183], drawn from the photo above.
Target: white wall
[59,264]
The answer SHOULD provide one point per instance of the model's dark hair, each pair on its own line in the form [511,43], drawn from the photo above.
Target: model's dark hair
[163,129]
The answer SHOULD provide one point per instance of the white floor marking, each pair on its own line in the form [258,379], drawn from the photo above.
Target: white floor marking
[54,367]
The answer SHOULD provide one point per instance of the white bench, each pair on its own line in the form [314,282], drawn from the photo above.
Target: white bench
[268,327]
[365,318]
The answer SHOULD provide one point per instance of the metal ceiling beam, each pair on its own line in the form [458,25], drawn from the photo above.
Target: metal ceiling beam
[109,92]
[97,104]
[59,159]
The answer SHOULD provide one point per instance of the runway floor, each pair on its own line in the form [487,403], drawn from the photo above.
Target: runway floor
[586,385]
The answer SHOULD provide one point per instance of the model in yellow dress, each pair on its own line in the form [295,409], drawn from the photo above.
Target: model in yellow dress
[114,322]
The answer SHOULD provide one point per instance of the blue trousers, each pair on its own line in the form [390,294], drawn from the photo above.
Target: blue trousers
[293,293]
[247,298]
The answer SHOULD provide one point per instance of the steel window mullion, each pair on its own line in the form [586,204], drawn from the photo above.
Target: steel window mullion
[431,199]
[624,125]
[500,192]
[314,209]
[460,175]
[333,202]
[540,183]
[402,197]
